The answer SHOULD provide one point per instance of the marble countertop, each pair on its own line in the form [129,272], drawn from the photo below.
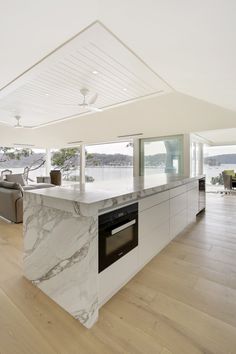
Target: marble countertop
[96,192]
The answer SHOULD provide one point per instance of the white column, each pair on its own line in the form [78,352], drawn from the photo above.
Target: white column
[82,166]
[136,157]
[187,157]
[48,162]
[201,159]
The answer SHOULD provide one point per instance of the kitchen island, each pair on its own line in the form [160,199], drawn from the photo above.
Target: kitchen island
[61,236]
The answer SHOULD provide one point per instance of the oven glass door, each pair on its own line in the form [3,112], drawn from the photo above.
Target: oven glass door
[120,236]
[116,239]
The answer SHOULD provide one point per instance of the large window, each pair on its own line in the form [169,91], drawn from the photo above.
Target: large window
[109,161]
[67,160]
[216,160]
[162,155]
[18,159]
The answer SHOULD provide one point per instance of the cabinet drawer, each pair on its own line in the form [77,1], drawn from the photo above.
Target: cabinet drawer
[178,223]
[193,197]
[178,203]
[151,218]
[153,241]
[155,199]
[114,277]
[178,190]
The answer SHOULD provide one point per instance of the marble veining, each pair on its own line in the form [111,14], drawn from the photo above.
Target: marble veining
[61,256]
[61,237]
[128,188]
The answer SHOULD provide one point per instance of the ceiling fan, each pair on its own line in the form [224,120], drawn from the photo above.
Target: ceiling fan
[17,125]
[87,102]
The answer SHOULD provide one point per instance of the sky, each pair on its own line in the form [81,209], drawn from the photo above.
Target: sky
[219,150]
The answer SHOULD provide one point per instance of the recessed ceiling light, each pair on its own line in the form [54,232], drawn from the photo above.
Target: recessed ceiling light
[95,72]
[46,94]
[124,89]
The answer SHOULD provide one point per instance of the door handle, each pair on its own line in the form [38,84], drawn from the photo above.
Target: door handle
[123,227]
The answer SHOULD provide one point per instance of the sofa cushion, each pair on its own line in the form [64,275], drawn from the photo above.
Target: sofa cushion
[17,178]
[11,200]
[11,185]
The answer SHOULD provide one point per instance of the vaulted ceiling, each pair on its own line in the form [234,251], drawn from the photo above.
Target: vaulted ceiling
[189,44]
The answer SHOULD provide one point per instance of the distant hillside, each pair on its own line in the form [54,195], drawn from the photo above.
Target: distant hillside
[108,160]
[155,160]
[24,161]
[92,160]
[220,159]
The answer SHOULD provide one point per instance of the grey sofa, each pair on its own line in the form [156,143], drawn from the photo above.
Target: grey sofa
[11,199]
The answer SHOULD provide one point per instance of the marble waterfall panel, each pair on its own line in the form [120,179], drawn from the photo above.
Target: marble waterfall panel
[61,255]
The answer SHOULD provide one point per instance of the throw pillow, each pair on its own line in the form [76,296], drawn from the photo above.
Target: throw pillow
[17,178]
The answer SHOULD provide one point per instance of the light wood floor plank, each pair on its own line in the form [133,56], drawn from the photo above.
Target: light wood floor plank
[17,335]
[182,302]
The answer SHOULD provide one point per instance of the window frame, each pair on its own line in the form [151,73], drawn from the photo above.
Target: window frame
[161,138]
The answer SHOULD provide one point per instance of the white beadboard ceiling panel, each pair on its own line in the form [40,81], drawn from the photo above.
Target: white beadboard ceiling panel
[94,59]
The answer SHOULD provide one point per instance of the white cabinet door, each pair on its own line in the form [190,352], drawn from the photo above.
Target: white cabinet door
[178,214]
[178,222]
[149,202]
[193,196]
[178,204]
[116,275]
[154,233]
[152,242]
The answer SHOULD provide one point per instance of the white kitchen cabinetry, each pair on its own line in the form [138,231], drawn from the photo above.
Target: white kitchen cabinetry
[161,217]
[178,211]
[154,229]
[193,196]
[117,275]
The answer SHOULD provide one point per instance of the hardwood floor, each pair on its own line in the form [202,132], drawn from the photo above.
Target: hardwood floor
[183,301]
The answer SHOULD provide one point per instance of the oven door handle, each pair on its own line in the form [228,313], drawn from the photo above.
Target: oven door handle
[123,227]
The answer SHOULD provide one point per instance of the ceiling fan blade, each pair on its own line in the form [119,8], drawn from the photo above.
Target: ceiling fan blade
[94,109]
[68,104]
[93,99]
[27,127]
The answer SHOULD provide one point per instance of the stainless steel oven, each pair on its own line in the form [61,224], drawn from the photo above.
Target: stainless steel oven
[118,234]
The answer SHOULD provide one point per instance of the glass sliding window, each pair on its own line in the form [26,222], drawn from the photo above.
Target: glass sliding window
[162,155]
[29,162]
[67,160]
[109,161]
[216,160]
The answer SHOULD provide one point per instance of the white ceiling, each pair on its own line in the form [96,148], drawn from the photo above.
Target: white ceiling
[219,137]
[169,114]
[94,59]
[189,43]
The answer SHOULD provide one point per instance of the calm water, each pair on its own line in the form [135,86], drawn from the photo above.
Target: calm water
[98,173]
[108,173]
